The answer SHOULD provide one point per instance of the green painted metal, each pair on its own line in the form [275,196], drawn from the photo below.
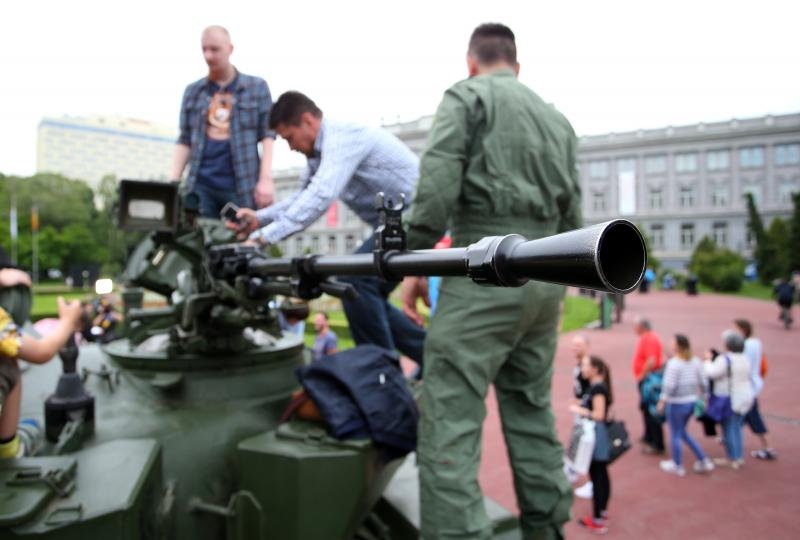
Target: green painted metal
[106,491]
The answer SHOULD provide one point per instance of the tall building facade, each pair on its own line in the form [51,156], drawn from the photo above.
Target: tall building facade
[679,184]
[90,148]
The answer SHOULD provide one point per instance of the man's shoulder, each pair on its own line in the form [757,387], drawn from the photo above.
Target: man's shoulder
[196,86]
[251,81]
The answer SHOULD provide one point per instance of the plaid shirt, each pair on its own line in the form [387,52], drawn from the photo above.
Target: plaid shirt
[352,163]
[249,125]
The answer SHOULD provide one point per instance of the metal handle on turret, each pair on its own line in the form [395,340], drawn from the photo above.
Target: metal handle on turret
[609,256]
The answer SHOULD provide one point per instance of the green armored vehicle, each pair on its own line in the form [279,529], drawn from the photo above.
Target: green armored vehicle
[174,431]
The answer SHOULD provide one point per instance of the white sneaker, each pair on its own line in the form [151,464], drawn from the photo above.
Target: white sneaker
[585,491]
[669,466]
[705,466]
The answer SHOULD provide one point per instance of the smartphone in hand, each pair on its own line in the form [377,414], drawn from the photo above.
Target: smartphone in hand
[228,213]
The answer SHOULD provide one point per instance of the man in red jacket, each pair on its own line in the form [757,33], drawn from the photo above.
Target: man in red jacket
[647,358]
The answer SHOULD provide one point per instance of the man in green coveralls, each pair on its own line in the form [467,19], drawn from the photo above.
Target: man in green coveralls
[498,160]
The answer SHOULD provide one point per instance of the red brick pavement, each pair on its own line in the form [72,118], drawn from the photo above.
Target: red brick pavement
[759,501]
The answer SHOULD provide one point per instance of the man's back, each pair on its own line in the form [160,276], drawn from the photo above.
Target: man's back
[518,161]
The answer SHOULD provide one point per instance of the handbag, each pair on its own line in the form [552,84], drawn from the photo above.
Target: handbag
[618,438]
[719,407]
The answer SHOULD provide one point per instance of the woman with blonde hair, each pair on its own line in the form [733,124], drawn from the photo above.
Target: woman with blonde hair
[682,386]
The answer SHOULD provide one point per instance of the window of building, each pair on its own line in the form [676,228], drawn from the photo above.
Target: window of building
[687,235]
[787,154]
[655,164]
[315,244]
[687,197]
[752,157]
[719,195]
[720,231]
[298,245]
[755,190]
[350,243]
[786,191]
[598,202]
[626,165]
[331,244]
[657,235]
[718,160]
[686,162]
[656,199]
[598,168]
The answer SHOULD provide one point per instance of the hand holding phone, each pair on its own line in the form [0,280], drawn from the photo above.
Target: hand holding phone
[228,213]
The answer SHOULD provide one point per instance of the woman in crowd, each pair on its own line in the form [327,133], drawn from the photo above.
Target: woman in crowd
[595,405]
[682,386]
[730,373]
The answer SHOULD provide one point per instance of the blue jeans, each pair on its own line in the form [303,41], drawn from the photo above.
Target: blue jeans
[732,436]
[678,415]
[212,200]
[373,320]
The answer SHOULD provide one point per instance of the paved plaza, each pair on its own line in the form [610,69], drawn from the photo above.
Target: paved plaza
[759,501]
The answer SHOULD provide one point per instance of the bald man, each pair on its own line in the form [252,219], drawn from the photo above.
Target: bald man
[224,117]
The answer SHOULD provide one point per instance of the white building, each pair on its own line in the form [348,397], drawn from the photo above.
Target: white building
[90,148]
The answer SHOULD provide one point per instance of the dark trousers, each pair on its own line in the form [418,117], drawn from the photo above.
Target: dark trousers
[601,487]
[653,431]
[373,320]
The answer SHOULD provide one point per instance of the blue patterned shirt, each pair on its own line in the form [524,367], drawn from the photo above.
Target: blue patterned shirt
[249,125]
[352,163]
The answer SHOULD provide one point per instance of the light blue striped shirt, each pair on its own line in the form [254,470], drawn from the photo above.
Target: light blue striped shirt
[351,163]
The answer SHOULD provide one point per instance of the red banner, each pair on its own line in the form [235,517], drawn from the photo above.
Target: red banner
[333,215]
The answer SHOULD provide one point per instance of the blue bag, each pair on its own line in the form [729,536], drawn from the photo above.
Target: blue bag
[719,407]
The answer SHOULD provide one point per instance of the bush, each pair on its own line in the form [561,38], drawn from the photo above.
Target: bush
[718,268]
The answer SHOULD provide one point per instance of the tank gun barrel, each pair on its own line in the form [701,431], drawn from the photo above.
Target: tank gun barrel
[609,256]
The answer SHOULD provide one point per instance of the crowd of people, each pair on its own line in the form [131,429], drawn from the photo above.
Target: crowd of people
[718,388]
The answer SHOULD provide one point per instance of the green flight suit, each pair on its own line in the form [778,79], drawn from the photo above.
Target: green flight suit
[498,160]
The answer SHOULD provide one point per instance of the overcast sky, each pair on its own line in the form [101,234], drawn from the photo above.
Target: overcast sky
[608,65]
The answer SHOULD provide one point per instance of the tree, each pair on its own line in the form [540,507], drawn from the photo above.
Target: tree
[779,236]
[765,253]
[794,235]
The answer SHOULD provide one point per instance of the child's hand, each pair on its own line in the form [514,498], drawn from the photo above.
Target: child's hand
[70,312]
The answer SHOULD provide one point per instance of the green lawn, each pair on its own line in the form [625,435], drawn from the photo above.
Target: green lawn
[45,304]
[750,289]
[578,312]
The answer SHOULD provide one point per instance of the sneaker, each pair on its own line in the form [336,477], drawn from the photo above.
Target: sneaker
[722,462]
[767,454]
[596,527]
[704,466]
[737,464]
[669,466]
[585,491]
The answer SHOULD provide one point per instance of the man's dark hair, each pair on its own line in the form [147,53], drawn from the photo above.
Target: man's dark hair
[491,43]
[289,107]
